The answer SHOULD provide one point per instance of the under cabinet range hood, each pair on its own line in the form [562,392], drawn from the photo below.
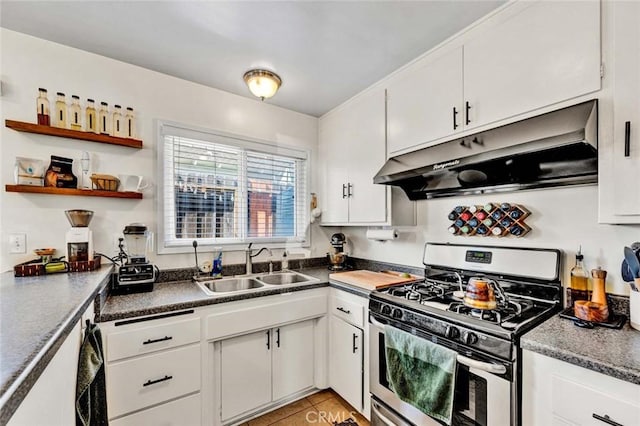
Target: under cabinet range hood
[554,149]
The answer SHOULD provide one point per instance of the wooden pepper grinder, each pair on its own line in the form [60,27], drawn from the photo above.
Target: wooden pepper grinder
[595,310]
[599,294]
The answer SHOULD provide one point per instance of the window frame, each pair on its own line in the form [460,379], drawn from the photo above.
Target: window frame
[245,143]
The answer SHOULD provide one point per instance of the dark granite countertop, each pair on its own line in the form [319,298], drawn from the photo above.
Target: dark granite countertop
[36,315]
[176,295]
[615,353]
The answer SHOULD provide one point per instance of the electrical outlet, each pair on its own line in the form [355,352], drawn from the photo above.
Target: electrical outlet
[17,243]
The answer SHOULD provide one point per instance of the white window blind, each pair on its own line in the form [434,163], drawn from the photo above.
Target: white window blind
[224,190]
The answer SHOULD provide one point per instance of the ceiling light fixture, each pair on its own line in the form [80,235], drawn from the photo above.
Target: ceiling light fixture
[262,83]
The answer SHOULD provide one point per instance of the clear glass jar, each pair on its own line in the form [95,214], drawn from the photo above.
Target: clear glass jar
[91,123]
[116,121]
[104,122]
[42,103]
[75,112]
[61,111]
[129,124]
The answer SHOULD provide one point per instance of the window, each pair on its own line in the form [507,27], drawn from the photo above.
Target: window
[224,190]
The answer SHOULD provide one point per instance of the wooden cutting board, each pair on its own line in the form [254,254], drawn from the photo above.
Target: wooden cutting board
[370,280]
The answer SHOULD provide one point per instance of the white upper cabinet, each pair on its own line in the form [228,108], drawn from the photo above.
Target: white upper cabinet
[528,56]
[352,150]
[625,162]
[424,101]
[547,53]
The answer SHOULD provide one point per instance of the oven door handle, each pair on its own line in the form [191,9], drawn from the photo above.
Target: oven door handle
[377,323]
[484,366]
[381,416]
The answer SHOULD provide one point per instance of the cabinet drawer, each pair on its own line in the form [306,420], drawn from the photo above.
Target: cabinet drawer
[577,404]
[152,379]
[181,412]
[152,337]
[349,311]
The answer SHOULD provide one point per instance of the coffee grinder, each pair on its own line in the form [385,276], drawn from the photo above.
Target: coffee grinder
[79,239]
[338,257]
[136,273]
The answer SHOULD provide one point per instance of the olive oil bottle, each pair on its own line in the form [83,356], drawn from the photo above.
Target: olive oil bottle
[579,285]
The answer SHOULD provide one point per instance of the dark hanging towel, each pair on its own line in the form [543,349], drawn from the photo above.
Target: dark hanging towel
[91,393]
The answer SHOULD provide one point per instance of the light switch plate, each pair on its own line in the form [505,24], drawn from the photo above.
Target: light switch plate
[17,243]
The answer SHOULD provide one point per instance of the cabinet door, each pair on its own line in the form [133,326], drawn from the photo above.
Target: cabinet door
[366,148]
[626,161]
[345,361]
[245,380]
[421,101]
[547,53]
[332,135]
[293,358]
[51,400]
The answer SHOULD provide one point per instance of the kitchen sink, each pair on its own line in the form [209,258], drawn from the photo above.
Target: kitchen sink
[280,278]
[226,285]
[252,282]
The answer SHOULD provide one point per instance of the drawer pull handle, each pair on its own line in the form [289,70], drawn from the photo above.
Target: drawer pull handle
[455,113]
[606,419]
[153,382]
[467,107]
[355,338]
[162,339]
[341,309]
[627,139]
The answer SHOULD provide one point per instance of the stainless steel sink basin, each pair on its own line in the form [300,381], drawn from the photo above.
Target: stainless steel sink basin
[230,284]
[280,278]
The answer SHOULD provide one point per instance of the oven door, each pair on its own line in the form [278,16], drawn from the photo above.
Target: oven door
[482,389]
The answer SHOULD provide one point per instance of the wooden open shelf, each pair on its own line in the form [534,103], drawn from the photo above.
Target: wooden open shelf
[22,126]
[71,191]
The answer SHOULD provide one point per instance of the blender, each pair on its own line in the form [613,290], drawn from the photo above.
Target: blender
[137,273]
[337,256]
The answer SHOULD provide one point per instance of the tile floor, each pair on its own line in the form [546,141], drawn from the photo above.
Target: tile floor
[322,408]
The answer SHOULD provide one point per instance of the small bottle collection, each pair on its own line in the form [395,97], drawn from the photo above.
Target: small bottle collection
[69,116]
[490,220]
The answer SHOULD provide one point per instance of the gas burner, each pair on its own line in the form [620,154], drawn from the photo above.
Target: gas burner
[504,312]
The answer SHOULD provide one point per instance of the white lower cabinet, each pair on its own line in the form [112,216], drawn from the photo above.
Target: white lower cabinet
[345,369]
[245,378]
[559,393]
[52,399]
[349,348]
[154,369]
[265,366]
[293,359]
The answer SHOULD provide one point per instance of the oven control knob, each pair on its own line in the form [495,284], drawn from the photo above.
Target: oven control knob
[385,310]
[451,332]
[469,338]
[396,313]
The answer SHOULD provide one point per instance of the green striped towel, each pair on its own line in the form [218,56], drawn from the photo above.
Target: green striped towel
[421,373]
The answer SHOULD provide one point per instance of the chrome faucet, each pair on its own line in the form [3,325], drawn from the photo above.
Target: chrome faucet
[249,256]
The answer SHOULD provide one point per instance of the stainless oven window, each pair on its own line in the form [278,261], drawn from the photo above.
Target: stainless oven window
[470,400]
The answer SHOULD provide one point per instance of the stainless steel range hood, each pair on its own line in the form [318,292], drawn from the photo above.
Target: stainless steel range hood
[554,149]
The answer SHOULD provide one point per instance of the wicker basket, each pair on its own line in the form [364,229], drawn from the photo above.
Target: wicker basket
[105,182]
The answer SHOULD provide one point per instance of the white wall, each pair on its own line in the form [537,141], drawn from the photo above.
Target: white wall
[562,218]
[29,63]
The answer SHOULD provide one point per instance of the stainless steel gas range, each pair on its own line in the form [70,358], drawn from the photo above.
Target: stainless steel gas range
[526,287]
